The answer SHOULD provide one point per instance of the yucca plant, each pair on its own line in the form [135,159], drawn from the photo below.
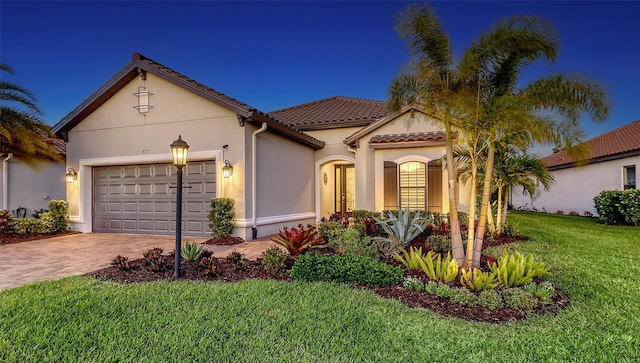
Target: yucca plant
[191,251]
[516,269]
[402,227]
[478,280]
[298,240]
[410,260]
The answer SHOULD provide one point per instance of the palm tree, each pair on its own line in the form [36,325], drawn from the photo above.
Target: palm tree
[488,74]
[432,83]
[22,132]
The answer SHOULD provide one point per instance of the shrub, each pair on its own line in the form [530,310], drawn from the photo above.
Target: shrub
[511,229]
[387,248]
[347,268]
[443,290]
[27,226]
[411,260]
[439,269]
[222,216]
[209,266]
[439,243]
[619,206]
[330,230]
[298,240]
[478,280]
[191,251]
[517,298]
[350,240]
[239,260]
[153,259]
[413,283]
[559,211]
[463,296]
[431,287]
[402,227]
[36,213]
[587,213]
[121,262]
[490,299]
[516,269]
[543,292]
[59,212]
[361,215]
[273,260]
[573,213]
[5,221]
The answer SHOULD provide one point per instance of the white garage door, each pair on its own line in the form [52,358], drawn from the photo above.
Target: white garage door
[138,198]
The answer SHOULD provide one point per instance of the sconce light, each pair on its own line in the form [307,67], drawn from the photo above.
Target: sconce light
[71,175]
[227,169]
[143,100]
[179,149]
[325,178]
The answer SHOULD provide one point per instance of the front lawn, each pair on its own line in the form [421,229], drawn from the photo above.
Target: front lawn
[83,319]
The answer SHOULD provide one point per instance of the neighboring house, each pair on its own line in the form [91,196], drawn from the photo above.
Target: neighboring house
[613,162]
[28,188]
[290,166]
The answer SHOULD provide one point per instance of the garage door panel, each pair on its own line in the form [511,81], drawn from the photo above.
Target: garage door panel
[138,198]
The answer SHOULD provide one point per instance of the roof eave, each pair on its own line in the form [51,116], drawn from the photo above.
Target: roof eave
[282,129]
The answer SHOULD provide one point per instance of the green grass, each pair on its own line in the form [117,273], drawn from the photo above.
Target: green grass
[82,319]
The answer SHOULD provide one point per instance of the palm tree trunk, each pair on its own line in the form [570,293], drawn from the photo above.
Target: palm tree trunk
[486,193]
[454,222]
[468,262]
[491,223]
[499,210]
[506,205]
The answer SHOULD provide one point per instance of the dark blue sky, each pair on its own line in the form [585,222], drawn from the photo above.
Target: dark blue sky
[278,54]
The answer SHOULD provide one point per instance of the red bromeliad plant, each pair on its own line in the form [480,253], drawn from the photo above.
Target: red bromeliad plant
[298,240]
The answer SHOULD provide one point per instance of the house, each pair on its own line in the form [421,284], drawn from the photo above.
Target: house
[290,166]
[612,163]
[30,189]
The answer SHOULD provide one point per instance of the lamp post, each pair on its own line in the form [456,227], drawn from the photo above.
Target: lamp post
[179,149]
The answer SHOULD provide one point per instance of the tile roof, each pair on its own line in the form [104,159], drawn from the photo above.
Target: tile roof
[333,112]
[615,144]
[416,139]
[140,64]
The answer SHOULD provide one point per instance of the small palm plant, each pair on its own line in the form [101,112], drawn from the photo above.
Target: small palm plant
[191,251]
[402,228]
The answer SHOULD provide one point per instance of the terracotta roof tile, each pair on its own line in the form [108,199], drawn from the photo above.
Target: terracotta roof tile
[620,141]
[333,112]
[410,137]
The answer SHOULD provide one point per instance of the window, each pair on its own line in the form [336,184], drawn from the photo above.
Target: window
[413,185]
[629,177]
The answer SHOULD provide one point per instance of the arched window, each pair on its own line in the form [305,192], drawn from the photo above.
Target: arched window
[413,185]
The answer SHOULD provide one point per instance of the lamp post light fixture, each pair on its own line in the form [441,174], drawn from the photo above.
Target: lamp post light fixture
[227,169]
[179,149]
[71,175]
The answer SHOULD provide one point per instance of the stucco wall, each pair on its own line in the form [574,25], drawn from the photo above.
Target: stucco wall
[116,133]
[575,188]
[285,183]
[32,189]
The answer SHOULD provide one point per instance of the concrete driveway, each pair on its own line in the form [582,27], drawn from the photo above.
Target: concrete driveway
[78,254]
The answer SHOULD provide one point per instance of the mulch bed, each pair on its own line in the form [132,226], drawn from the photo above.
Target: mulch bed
[224,241]
[11,238]
[253,270]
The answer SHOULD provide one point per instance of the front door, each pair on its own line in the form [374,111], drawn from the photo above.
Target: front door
[345,189]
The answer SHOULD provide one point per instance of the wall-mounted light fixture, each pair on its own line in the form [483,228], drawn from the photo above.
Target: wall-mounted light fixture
[143,100]
[71,175]
[325,178]
[227,169]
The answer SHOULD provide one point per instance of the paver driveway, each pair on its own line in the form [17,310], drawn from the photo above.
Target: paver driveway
[78,254]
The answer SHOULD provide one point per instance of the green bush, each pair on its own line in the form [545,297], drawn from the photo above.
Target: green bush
[330,230]
[619,206]
[443,290]
[478,280]
[439,244]
[347,268]
[59,212]
[431,287]
[351,240]
[516,269]
[517,298]
[413,283]
[359,215]
[5,221]
[222,216]
[463,296]
[273,260]
[543,291]
[490,299]
[27,226]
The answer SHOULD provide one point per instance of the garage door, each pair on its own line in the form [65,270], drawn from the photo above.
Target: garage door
[138,198]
